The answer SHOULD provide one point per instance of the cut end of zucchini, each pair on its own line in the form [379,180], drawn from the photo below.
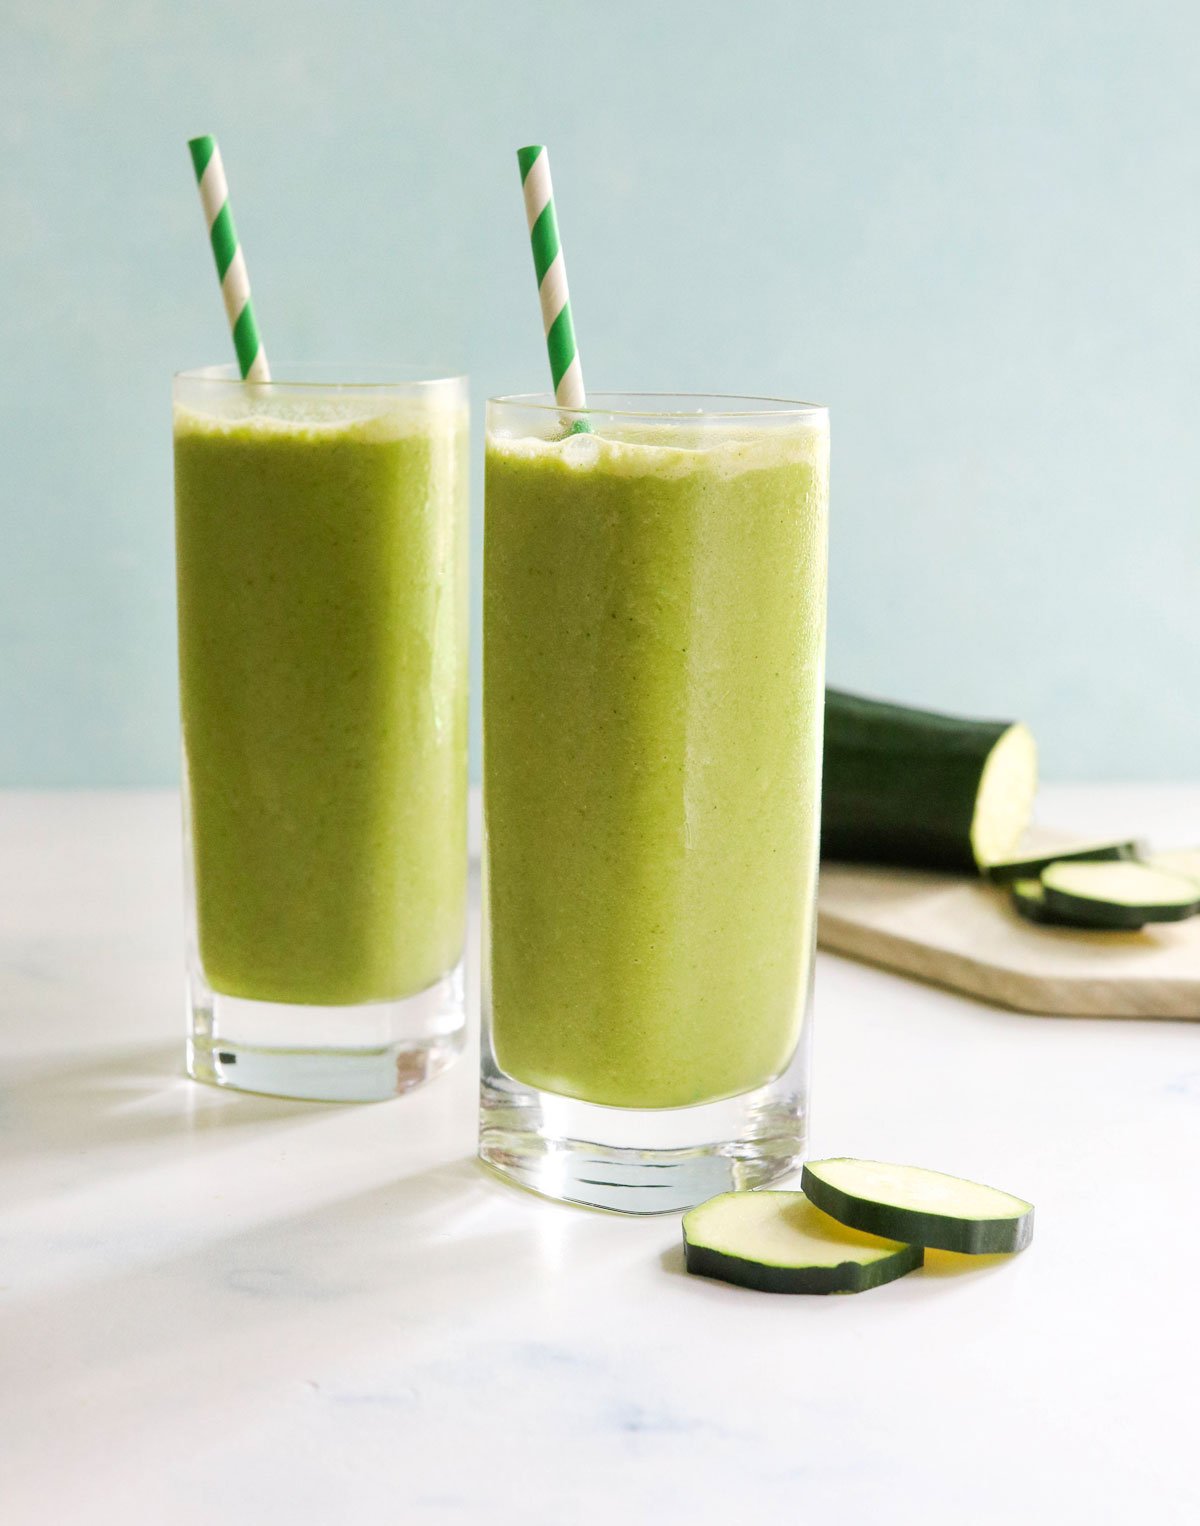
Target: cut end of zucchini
[778,1242]
[1120,894]
[1004,804]
[919,1206]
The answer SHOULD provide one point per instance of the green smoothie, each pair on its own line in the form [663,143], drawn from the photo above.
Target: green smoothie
[653,651]
[321,552]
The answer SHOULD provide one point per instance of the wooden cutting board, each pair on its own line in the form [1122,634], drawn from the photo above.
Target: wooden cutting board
[962,933]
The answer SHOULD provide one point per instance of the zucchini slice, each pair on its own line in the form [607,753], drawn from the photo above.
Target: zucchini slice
[913,787]
[1185,861]
[918,1206]
[1004,871]
[1029,899]
[777,1242]
[1119,894]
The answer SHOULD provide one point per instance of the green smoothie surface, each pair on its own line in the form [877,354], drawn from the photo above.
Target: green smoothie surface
[321,556]
[654,612]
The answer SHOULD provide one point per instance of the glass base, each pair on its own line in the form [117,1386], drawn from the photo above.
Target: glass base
[629,1160]
[365,1053]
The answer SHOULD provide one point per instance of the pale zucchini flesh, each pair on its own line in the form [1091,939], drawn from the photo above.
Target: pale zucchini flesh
[1185,861]
[1120,894]
[919,1206]
[778,1242]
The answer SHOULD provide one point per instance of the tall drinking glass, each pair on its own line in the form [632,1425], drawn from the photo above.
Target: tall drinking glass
[654,626]
[321,550]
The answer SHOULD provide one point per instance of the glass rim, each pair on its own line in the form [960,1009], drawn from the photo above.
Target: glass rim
[341,376]
[764,407]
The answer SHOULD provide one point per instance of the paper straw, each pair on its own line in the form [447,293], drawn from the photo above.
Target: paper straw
[565,368]
[231,266]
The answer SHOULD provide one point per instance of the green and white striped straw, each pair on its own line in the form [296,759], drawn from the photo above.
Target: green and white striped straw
[552,280]
[231,266]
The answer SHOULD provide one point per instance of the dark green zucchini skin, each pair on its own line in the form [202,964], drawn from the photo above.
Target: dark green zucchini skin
[848,1277]
[899,785]
[972,1237]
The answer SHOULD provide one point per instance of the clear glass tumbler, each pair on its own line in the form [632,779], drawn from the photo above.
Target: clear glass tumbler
[654,630]
[321,555]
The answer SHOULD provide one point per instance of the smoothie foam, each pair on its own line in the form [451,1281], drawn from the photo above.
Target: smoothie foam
[653,640]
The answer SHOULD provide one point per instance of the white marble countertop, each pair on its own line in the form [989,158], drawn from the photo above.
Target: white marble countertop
[220,1308]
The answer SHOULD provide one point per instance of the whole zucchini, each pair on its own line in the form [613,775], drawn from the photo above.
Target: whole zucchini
[914,787]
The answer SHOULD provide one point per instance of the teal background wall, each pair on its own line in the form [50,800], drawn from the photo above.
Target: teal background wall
[971,229]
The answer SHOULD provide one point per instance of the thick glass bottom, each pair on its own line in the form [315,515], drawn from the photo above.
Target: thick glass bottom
[630,1160]
[365,1053]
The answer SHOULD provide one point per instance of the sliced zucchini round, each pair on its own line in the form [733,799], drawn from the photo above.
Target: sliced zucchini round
[1029,899]
[1004,871]
[1185,861]
[777,1242]
[918,1206]
[1119,894]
